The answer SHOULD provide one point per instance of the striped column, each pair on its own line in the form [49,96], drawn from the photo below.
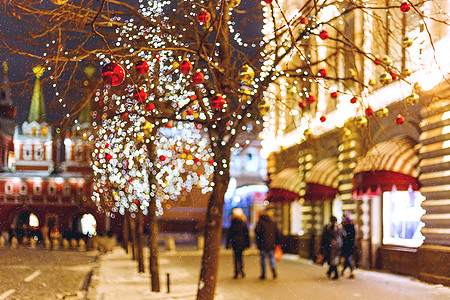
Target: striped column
[434,254]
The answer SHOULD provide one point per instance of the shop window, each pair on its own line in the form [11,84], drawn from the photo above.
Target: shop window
[8,188]
[27,151]
[23,188]
[33,221]
[37,188]
[401,218]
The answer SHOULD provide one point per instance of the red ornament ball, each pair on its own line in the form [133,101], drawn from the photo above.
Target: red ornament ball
[141,67]
[162,158]
[378,61]
[302,104]
[125,116]
[399,120]
[136,201]
[108,157]
[140,95]
[113,74]
[190,112]
[323,119]
[217,102]
[394,76]
[197,160]
[353,100]
[211,161]
[310,99]
[322,72]
[203,17]
[304,21]
[334,95]
[150,107]
[324,35]
[185,67]
[198,78]
[405,7]
[169,125]
[268,1]
[369,112]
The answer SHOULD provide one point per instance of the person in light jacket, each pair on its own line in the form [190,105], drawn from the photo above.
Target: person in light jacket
[238,239]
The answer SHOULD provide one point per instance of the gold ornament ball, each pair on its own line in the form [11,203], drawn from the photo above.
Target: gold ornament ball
[407,42]
[385,78]
[372,82]
[412,99]
[234,3]
[246,74]
[383,112]
[58,2]
[361,121]
[387,61]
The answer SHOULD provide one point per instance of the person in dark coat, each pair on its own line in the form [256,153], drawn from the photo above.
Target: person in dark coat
[348,247]
[238,239]
[267,237]
[331,247]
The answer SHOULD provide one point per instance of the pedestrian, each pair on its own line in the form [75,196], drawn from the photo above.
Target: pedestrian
[331,247]
[267,237]
[348,247]
[238,239]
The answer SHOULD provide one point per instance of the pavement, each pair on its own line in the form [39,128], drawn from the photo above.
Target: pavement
[116,277]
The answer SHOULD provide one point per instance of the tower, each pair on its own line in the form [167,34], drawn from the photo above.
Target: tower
[33,146]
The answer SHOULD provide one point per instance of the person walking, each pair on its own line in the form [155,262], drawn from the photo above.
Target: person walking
[238,239]
[267,237]
[348,247]
[331,247]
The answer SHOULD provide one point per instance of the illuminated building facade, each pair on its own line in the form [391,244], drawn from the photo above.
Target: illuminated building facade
[382,156]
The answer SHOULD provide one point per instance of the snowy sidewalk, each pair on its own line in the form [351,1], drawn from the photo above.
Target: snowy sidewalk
[116,277]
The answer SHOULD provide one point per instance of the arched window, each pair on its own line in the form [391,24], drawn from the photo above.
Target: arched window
[23,188]
[37,188]
[27,152]
[38,152]
[66,190]
[51,189]
[8,188]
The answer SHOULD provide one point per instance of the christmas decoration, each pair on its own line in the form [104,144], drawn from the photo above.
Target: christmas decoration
[407,42]
[385,78]
[412,99]
[150,107]
[334,95]
[405,7]
[246,74]
[268,1]
[369,111]
[113,74]
[407,72]
[264,107]
[141,67]
[234,3]
[393,76]
[302,104]
[387,61]
[185,67]
[310,99]
[377,61]
[162,157]
[198,78]
[399,120]
[324,35]
[383,112]
[372,82]
[58,2]
[203,17]
[323,119]
[304,21]
[140,95]
[361,121]
[217,102]
[322,73]
[353,100]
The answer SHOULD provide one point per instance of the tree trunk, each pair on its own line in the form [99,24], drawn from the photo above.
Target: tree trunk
[125,233]
[133,237]
[153,245]
[139,245]
[213,231]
